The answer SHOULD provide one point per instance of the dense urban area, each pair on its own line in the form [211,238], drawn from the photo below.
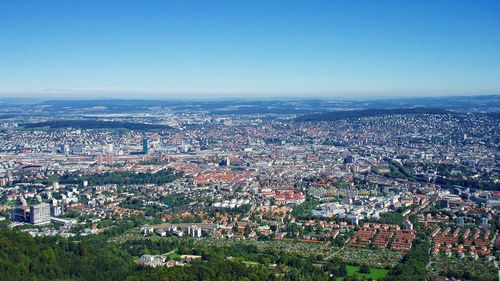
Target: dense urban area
[248,193]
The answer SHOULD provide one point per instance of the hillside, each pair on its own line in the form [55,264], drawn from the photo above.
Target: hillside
[353,114]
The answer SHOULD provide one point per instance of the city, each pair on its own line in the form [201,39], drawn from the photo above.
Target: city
[360,191]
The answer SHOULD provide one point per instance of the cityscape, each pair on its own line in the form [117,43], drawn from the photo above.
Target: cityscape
[359,190]
[261,140]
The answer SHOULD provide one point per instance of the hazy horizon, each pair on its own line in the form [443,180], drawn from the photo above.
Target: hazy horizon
[217,97]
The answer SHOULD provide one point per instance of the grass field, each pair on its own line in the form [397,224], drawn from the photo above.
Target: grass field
[375,273]
[174,256]
[251,263]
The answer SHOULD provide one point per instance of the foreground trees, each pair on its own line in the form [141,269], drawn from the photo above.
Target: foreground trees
[23,257]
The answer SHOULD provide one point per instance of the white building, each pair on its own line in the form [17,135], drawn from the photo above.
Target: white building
[40,214]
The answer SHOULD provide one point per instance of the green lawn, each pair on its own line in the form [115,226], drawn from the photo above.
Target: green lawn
[11,203]
[375,273]
[174,256]
[251,263]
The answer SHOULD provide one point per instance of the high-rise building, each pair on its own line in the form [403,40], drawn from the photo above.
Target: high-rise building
[109,159]
[21,214]
[109,148]
[40,214]
[145,145]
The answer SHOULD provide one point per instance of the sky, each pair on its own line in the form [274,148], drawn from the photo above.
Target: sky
[270,48]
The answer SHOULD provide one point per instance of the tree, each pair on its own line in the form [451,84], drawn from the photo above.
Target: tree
[342,270]
[248,230]
[364,268]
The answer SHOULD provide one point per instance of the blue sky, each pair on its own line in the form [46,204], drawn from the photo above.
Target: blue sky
[213,49]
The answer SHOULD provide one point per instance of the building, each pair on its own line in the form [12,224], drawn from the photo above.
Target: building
[349,159]
[21,214]
[65,149]
[145,146]
[40,214]
[63,221]
[109,159]
[56,211]
[444,204]
[100,159]
[225,162]
[194,232]
[109,148]
[407,225]
[78,149]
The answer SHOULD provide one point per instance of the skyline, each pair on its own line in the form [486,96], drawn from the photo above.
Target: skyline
[174,50]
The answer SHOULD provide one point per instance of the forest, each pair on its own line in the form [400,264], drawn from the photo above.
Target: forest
[121,178]
[353,114]
[23,257]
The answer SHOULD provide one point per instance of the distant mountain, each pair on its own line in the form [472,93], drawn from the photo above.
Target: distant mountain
[353,114]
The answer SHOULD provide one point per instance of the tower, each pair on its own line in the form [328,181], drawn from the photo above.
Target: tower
[145,145]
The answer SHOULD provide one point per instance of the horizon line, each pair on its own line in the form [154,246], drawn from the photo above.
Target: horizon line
[225,97]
